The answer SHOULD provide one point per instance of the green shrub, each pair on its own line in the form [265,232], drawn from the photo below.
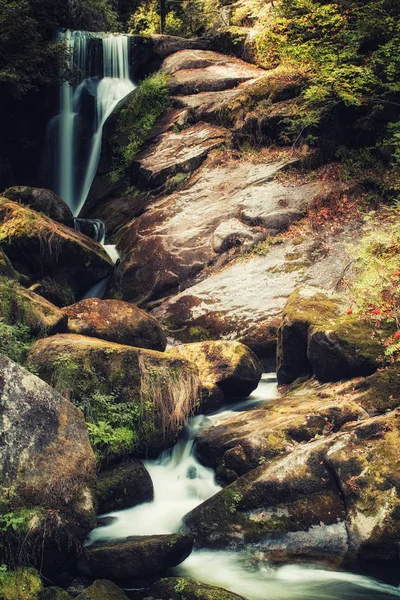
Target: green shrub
[15,341]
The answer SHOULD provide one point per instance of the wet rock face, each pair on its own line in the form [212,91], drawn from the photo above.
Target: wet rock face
[41,200]
[137,556]
[48,464]
[124,486]
[322,501]
[38,246]
[227,367]
[116,321]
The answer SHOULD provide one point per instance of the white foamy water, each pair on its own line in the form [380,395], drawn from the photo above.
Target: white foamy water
[181,483]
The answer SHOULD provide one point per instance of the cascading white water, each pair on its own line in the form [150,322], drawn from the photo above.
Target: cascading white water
[95,93]
[181,483]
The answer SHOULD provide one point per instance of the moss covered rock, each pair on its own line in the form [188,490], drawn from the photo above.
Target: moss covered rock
[346,348]
[23,307]
[22,584]
[316,338]
[37,246]
[116,321]
[124,486]
[142,395]
[305,307]
[180,588]
[41,200]
[103,590]
[334,499]
[137,556]
[58,292]
[230,367]
[47,470]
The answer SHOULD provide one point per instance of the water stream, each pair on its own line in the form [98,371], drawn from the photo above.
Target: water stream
[181,483]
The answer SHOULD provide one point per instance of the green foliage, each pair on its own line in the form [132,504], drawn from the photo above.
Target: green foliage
[348,51]
[139,116]
[376,290]
[145,20]
[15,341]
[111,425]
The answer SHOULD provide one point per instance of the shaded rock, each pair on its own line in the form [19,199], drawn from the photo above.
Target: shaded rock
[38,246]
[43,201]
[102,589]
[23,307]
[54,593]
[332,500]
[229,365]
[77,585]
[173,588]
[124,486]
[137,556]
[155,393]
[6,268]
[57,292]
[47,462]
[304,307]
[115,321]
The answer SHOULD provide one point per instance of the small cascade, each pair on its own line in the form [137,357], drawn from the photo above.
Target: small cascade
[101,65]
[93,228]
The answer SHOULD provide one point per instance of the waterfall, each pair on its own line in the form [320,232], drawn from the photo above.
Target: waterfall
[100,63]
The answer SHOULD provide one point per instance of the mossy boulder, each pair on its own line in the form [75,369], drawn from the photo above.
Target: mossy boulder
[23,584]
[37,247]
[116,321]
[146,394]
[305,307]
[102,589]
[47,470]
[23,307]
[315,337]
[41,200]
[332,500]
[179,588]
[230,367]
[137,556]
[124,486]
[346,348]
[58,292]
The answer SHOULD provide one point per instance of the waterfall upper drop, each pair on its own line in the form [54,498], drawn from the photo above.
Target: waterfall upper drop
[101,62]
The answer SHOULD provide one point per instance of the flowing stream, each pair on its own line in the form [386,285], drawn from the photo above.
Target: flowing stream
[181,483]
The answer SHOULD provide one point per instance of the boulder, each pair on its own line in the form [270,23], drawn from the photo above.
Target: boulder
[102,589]
[19,306]
[116,321]
[233,233]
[316,338]
[143,395]
[305,306]
[6,268]
[43,201]
[59,293]
[137,556]
[227,366]
[38,246]
[174,588]
[54,593]
[124,486]
[332,500]
[238,444]
[47,470]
